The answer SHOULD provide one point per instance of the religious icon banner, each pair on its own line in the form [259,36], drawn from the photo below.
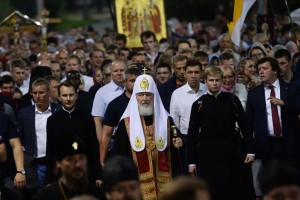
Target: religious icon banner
[135,16]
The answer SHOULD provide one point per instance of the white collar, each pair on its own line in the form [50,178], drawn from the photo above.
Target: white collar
[37,111]
[69,111]
[216,95]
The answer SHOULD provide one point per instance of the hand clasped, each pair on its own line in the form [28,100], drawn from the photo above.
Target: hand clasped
[177,142]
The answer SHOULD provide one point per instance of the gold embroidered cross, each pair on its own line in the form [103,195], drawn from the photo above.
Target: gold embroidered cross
[75,145]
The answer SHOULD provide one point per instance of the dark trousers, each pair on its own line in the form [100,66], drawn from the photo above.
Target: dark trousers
[185,164]
[278,149]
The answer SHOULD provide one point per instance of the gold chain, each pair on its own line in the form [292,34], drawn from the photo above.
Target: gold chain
[62,191]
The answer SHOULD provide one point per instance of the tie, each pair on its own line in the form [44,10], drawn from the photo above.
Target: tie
[275,117]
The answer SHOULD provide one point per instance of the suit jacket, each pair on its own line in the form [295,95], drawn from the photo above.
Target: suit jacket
[256,111]
[291,124]
[24,102]
[26,127]
[166,90]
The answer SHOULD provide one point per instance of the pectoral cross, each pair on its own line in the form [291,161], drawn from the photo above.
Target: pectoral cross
[144,70]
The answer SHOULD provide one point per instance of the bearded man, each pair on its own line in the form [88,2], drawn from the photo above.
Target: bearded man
[144,135]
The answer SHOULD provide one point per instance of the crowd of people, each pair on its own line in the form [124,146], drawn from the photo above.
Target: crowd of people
[90,118]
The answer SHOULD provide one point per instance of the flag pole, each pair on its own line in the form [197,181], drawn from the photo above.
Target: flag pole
[112,14]
[293,27]
[240,10]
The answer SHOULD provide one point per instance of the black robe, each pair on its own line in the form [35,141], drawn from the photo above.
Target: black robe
[212,144]
[54,192]
[82,125]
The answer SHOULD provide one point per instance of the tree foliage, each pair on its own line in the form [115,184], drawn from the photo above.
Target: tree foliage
[205,9]
[6,9]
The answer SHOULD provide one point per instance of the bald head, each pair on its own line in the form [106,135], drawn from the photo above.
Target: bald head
[43,56]
[118,68]
[225,42]
[46,63]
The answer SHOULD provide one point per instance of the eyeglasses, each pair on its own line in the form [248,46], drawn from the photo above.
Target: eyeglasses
[73,75]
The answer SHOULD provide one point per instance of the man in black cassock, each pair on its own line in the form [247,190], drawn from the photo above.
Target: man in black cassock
[75,121]
[71,161]
[212,139]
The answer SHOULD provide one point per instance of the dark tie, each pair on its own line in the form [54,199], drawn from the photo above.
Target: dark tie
[275,117]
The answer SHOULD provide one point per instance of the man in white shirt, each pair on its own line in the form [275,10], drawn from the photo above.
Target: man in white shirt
[107,93]
[183,98]
[32,127]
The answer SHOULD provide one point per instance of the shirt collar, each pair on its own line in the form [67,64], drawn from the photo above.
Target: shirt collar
[275,84]
[189,89]
[46,111]
[216,95]
[149,55]
[116,87]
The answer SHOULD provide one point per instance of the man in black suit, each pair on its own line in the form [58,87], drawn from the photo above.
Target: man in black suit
[272,111]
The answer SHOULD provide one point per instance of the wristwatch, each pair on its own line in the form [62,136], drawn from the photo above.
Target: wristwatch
[21,172]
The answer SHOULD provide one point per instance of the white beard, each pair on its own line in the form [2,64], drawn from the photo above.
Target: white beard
[146,109]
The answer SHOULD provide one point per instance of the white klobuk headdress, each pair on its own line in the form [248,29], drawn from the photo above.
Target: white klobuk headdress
[145,83]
